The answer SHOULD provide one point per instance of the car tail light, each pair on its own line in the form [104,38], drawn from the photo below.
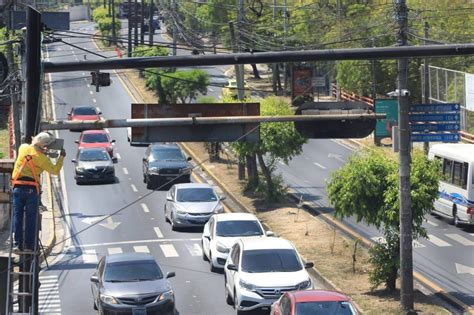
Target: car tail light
[469,210]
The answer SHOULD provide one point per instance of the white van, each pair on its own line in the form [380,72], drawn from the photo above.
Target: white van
[456,188]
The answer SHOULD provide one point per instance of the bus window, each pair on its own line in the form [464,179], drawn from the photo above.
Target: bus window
[447,170]
[460,174]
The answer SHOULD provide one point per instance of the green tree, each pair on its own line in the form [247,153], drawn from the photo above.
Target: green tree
[366,188]
[99,13]
[185,86]
[270,149]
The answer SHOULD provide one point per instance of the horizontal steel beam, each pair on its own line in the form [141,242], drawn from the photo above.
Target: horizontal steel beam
[264,57]
[189,121]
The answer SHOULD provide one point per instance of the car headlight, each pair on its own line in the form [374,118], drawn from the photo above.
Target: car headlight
[108,299]
[246,285]
[305,285]
[180,211]
[79,169]
[185,171]
[221,248]
[219,209]
[168,295]
[154,170]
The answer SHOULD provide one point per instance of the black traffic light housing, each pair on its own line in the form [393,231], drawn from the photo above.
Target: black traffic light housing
[330,129]
[100,79]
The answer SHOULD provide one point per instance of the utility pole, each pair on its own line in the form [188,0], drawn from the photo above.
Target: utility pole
[110,8]
[406,220]
[175,38]
[114,31]
[240,92]
[129,38]
[13,96]
[426,75]
[150,22]
[105,4]
[285,29]
[135,25]
[338,16]
[142,24]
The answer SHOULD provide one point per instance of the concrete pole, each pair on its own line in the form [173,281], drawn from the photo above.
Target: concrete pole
[114,31]
[142,24]
[406,219]
[426,75]
[135,24]
[129,39]
[175,35]
[150,22]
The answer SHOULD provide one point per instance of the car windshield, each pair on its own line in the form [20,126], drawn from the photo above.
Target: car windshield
[324,308]
[127,271]
[94,138]
[270,260]
[93,155]
[238,228]
[84,111]
[195,195]
[166,154]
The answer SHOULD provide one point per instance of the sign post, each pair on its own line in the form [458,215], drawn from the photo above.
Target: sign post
[435,122]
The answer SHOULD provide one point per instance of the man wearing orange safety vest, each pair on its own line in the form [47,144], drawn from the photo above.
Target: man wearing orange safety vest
[29,165]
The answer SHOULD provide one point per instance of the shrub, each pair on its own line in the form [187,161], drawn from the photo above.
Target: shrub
[99,13]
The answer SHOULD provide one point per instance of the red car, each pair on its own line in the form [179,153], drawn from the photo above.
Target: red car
[84,113]
[313,302]
[96,139]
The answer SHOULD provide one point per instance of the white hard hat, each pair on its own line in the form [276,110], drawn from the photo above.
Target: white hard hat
[43,139]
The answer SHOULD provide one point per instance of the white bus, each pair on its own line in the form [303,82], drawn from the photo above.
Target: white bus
[456,188]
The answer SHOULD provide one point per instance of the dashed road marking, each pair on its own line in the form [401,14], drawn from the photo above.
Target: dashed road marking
[169,250]
[432,223]
[134,188]
[91,93]
[94,100]
[114,250]
[194,249]
[89,256]
[118,156]
[141,249]
[83,73]
[158,232]
[125,171]
[145,207]
[319,165]
[458,238]
[437,241]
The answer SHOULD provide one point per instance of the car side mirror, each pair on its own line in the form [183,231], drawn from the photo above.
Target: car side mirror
[144,159]
[69,115]
[74,161]
[232,267]
[94,278]
[76,141]
[170,274]
[222,197]
[100,113]
[189,158]
[113,141]
[114,159]
[308,265]
[269,233]
[169,198]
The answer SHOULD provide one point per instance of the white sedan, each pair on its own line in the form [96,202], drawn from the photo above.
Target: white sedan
[221,232]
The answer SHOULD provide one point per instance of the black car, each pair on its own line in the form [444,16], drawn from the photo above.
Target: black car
[94,165]
[132,283]
[165,163]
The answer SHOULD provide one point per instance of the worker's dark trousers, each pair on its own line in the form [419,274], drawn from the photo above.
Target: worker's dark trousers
[25,202]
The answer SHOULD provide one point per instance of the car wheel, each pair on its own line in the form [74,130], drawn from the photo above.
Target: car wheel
[173,227]
[236,302]
[204,257]
[228,298]
[166,217]
[95,305]
[144,178]
[212,268]
[455,220]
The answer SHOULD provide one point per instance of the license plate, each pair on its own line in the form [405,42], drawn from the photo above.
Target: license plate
[139,311]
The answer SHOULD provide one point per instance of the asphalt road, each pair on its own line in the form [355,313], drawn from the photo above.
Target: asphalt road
[446,258]
[139,227]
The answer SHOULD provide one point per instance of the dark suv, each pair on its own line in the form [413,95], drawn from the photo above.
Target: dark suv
[165,163]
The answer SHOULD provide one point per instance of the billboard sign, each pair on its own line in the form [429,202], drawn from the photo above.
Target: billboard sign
[435,122]
[302,82]
[383,128]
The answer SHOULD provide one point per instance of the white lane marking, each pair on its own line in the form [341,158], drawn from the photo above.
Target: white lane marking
[89,256]
[77,59]
[70,47]
[437,241]
[88,85]
[125,171]
[194,249]
[114,250]
[169,250]
[118,156]
[46,277]
[94,100]
[158,232]
[460,239]
[145,207]
[59,48]
[432,223]
[417,244]
[134,188]
[141,249]
[140,242]
[83,73]
[319,165]
[91,93]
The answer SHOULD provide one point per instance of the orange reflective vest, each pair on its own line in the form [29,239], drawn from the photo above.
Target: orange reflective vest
[15,181]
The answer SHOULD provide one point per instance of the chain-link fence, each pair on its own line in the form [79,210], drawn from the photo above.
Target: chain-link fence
[448,86]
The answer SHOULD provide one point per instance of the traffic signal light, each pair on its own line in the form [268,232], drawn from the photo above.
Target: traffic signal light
[330,129]
[100,79]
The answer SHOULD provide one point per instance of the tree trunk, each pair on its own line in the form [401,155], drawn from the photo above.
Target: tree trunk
[391,283]
[252,170]
[256,75]
[160,91]
[266,173]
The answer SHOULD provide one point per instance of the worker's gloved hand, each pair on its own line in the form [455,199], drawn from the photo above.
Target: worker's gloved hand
[63,153]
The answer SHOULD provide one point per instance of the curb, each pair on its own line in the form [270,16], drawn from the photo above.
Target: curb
[51,242]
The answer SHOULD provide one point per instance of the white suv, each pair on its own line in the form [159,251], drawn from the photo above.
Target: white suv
[258,270]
